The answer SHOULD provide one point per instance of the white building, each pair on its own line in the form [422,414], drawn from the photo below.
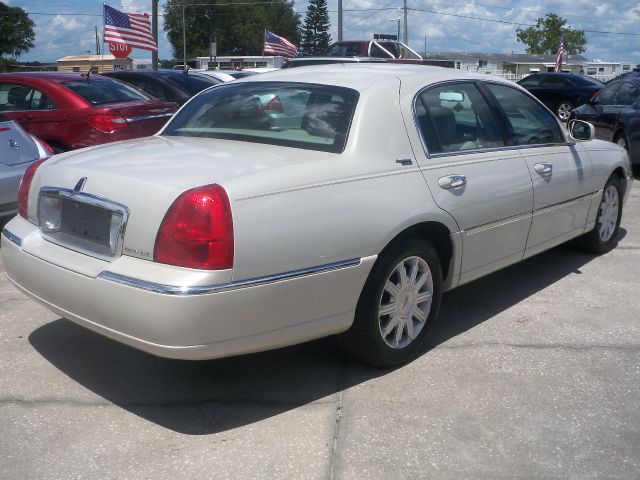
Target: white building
[240,62]
[142,64]
[604,71]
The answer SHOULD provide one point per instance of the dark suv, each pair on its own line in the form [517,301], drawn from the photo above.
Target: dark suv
[561,92]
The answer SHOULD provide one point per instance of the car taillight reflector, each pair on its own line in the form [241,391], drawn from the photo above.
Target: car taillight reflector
[25,186]
[197,230]
[107,123]
[274,105]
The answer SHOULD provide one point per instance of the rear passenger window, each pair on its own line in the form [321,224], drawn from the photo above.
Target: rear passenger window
[455,117]
[532,124]
[14,97]
[627,94]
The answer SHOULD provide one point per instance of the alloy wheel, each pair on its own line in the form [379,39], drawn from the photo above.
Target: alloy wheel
[608,219]
[405,302]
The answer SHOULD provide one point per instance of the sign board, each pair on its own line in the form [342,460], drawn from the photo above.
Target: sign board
[214,49]
[384,36]
[119,50]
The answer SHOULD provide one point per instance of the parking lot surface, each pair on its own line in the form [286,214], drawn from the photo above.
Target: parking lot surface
[532,373]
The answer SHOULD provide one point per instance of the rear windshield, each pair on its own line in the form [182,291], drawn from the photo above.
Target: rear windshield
[299,115]
[99,91]
[193,83]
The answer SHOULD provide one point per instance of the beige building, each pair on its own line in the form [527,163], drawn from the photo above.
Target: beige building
[95,63]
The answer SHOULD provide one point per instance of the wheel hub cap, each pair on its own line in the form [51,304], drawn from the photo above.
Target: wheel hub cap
[405,302]
[608,219]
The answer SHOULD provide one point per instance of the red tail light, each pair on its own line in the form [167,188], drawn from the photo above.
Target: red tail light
[197,230]
[25,186]
[594,93]
[107,123]
[274,105]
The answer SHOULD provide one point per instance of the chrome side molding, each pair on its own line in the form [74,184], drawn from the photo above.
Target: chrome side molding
[206,289]
[10,236]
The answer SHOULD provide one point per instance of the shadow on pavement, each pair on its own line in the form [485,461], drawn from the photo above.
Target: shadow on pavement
[207,397]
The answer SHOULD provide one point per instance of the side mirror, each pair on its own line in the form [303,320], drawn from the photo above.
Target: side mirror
[581,131]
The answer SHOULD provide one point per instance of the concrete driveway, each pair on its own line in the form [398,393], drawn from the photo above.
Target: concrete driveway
[532,373]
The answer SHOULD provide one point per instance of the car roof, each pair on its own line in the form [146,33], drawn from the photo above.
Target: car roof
[51,76]
[361,76]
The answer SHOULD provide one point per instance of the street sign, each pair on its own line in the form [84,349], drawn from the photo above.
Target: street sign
[119,50]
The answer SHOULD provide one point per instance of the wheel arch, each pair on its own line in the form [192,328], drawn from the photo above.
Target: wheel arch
[440,237]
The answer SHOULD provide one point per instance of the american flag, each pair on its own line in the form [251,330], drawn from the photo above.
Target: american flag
[134,29]
[558,67]
[276,45]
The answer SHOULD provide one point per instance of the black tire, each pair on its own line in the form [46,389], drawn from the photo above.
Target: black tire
[563,109]
[364,340]
[594,241]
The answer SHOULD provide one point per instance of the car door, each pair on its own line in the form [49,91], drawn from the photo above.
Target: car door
[561,172]
[604,105]
[472,173]
[554,89]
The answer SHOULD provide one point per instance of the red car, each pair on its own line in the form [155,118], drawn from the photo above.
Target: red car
[72,110]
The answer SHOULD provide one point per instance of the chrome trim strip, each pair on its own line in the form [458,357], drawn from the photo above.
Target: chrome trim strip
[206,289]
[498,223]
[556,206]
[10,236]
[147,117]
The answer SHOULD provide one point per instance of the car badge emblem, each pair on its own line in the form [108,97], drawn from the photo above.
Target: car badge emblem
[13,144]
[80,185]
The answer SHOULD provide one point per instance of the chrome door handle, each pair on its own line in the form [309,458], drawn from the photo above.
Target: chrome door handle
[543,168]
[452,181]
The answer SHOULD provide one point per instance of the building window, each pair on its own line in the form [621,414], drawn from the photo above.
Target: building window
[482,63]
[591,71]
[626,67]
[75,69]
[261,64]
[601,69]
[458,65]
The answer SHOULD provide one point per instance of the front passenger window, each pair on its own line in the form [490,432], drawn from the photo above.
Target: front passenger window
[532,124]
[455,117]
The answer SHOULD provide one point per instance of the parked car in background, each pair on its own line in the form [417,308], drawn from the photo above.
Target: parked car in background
[387,49]
[561,92]
[615,113]
[233,231]
[72,110]
[172,85]
[227,75]
[18,150]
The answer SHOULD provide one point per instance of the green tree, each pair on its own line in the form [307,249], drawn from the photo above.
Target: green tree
[315,31]
[544,36]
[238,29]
[16,31]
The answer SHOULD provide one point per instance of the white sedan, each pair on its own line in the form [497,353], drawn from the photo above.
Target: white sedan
[347,210]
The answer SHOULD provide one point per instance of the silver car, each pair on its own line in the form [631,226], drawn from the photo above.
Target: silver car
[18,150]
[375,189]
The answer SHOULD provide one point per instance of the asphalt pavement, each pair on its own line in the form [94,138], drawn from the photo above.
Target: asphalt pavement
[532,373]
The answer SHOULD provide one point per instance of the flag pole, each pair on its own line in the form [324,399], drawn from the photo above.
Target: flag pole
[264,39]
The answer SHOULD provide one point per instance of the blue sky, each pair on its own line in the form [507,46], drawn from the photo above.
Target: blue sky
[443,26]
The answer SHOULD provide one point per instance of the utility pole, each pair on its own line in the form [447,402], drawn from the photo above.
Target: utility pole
[97,42]
[184,41]
[406,35]
[339,20]
[154,32]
